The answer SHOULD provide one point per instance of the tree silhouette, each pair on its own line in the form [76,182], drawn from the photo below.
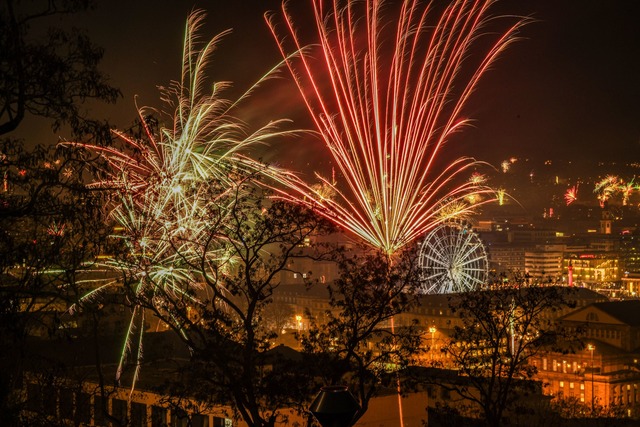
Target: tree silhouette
[48,76]
[500,332]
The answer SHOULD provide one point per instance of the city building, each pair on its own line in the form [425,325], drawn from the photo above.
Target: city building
[592,267]
[630,251]
[543,265]
[606,371]
[506,258]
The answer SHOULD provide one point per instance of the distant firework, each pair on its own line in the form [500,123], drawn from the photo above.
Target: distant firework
[501,195]
[571,195]
[611,185]
[606,187]
[505,166]
[385,96]
[167,183]
[627,189]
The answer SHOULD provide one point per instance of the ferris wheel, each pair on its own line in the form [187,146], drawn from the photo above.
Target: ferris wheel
[453,259]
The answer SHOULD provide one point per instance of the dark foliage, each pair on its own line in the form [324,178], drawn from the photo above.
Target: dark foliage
[50,76]
[501,331]
[356,341]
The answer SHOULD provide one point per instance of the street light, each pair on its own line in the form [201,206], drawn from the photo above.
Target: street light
[591,347]
[433,330]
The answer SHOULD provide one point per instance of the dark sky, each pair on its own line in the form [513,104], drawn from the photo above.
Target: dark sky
[569,90]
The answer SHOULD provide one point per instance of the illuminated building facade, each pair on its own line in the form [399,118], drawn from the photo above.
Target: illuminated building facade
[630,251]
[543,265]
[592,266]
[606,372]
[631,285]
[506,258]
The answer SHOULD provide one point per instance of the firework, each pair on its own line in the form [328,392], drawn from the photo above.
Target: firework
[505,166]
[606,187]
[627,189]
[571,195]
[501,194]
[167,184]
[385,107]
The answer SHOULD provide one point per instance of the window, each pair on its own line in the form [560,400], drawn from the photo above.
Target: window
[34,397]
[179,418]
[221,422]
[100,406]
[544,363]
[158,416]
[49,401]
[561,384]
[83,409]
[198,420]
[66,404]
[581,386]
[138,415]
[571,385]
[119,410]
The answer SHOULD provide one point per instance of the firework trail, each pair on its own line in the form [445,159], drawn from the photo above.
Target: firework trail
[167,184]
[386,95]
[501,194]
[571,195]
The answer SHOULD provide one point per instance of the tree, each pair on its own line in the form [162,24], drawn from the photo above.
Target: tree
[357,341]
[500,332]
[51,229]
[570,407]
[245,248]
[50,77]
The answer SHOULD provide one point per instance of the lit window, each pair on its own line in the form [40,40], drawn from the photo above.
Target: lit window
[561,384]
[581,386]
[570,385]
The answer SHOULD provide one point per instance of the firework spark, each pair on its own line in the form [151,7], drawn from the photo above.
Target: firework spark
[168,183]
[390,107]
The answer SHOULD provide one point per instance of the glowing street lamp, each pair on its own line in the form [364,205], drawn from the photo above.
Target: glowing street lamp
[433,330]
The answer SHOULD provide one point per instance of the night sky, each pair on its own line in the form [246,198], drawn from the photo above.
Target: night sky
[569,89]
